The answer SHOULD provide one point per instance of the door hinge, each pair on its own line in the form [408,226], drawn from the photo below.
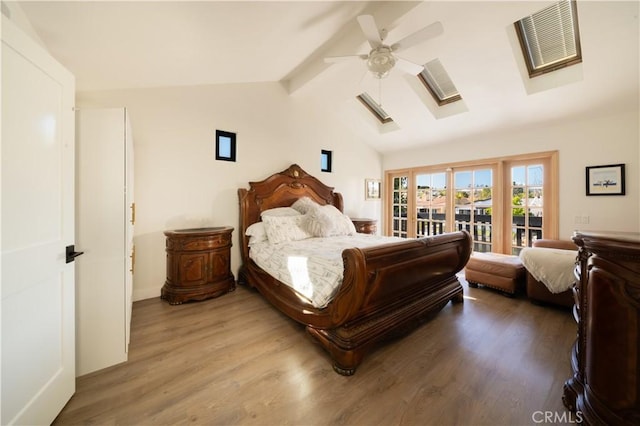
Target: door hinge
[133,260]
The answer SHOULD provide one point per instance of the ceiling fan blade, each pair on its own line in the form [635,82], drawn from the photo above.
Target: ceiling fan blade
[370,30]
[334,59]
[408,66]
[419,36]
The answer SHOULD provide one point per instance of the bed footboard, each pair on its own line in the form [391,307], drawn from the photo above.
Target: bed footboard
[389,290]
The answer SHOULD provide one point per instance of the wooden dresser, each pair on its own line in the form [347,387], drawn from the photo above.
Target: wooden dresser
[198,264]
[605,386]
[365,226]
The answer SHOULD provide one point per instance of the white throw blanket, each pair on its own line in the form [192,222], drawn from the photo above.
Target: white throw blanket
[552,267]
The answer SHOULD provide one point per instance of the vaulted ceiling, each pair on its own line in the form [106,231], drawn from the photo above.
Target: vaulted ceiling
[116,45]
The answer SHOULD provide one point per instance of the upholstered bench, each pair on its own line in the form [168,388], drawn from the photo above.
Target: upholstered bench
[498,271]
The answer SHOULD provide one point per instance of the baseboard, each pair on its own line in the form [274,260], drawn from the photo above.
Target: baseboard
[145,293]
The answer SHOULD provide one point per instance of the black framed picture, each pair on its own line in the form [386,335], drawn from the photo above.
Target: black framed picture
[225,146]
[325,160]
[605,180]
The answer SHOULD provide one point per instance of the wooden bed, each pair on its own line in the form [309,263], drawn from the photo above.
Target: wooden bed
[386,291]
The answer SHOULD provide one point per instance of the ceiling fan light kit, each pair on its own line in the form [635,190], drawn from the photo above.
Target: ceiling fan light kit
[380,61]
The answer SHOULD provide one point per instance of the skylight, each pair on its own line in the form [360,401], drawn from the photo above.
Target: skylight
[550,38]
[374,108]
[438,83]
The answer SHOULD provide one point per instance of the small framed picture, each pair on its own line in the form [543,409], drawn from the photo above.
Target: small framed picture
[225,146]
[372,189]
[605,180]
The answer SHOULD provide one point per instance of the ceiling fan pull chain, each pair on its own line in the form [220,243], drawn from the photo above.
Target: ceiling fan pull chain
[380,92]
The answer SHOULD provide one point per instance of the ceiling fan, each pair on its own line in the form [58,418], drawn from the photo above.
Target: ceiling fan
[381,59]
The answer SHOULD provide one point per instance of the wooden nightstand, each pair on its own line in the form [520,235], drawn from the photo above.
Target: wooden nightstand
[365,226]
[198,264]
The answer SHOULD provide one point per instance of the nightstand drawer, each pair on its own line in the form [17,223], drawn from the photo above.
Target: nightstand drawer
[365,226]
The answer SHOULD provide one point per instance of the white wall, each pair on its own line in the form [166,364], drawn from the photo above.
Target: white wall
[14,12]
[581,142]
[178,182]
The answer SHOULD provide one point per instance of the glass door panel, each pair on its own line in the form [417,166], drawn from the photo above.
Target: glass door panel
[431,204]
[474,205]
[527,205]
[483,209]
[462,190]
[400,196]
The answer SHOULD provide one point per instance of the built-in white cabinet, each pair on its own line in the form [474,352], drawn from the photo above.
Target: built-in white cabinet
[105,214]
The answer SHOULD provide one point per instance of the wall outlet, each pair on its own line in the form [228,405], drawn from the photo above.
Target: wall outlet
[585,219]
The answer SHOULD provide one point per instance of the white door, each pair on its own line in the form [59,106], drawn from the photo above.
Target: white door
[38,312]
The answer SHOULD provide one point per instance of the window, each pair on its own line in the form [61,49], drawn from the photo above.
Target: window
[374,108]
[325,160]
[225,145]
[438,83]
[550,38]
[504,203]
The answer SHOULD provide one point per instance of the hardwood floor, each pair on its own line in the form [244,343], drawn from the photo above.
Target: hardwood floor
[235,360]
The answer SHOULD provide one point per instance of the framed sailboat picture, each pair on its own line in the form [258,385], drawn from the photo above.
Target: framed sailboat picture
[605,180]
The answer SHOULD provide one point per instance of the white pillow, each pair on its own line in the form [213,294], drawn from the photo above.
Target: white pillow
[305,205]
[256,233]
[285,228]
[280,211]
[328,221]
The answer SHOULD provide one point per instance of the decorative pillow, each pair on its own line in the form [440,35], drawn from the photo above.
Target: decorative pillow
[347,226]
[280,211]
[305,205]
[328,221]
[285,228]
[256,233]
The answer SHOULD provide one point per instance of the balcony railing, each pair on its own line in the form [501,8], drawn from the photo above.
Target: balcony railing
[481,230]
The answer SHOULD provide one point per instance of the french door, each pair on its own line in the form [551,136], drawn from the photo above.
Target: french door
[531,204]
[505,204]
[431,203]
[473,198]
[422,205]
[399,204]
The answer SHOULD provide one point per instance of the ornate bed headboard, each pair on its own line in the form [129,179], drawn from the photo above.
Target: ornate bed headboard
[280,190]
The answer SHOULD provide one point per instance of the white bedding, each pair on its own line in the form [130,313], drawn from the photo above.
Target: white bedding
[552,267]
[313,266]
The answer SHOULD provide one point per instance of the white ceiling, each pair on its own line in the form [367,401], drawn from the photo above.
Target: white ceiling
[116,45]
